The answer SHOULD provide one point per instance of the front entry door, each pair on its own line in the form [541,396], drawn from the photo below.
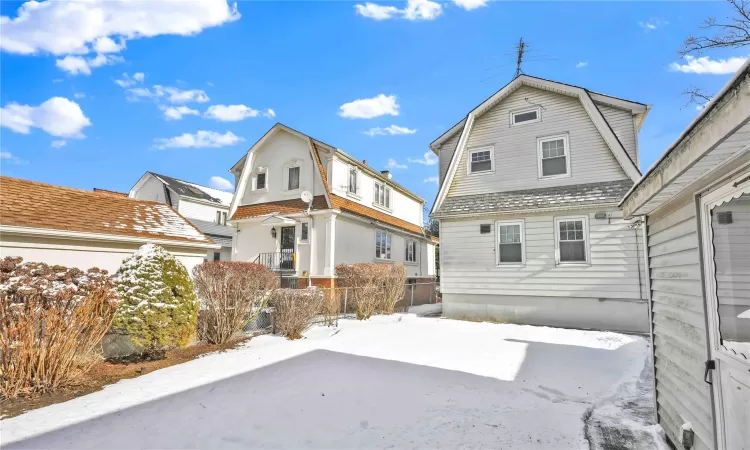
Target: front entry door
[726,249]
[287,248]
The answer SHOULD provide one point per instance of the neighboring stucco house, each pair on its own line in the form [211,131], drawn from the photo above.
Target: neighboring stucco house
[530,229]
[355,213]
[695,205]
[75,228]
[204,207]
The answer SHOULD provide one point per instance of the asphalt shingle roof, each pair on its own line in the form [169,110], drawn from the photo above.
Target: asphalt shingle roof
[608,192]
[196,191]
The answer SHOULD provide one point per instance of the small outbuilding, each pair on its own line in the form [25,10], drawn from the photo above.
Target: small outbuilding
[77,228]
[695,205]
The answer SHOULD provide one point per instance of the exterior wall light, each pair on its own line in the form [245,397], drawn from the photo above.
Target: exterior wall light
[273,232]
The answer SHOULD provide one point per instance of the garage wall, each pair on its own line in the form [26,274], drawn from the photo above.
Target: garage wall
[85,254]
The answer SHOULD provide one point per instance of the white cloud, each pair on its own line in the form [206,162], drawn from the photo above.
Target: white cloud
[78,65]
[470,4]
[582,64]
[234,113]
[221,183]
[127,80]
[431,180]
[393,164]
[170,94]
[57,116]
[107,45]
[177,112]
[414,10]
[377,12]
[58,143]
[199,139]
[74,26]
[79,95]
[429,159]
[390,130]
[10,158]
[652,24]
[705,64]
[367,108]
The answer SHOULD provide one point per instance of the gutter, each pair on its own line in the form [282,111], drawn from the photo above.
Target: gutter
[522,211]
[48,232]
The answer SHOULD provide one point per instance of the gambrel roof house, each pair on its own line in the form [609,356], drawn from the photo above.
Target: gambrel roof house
[206,208]
[530,232]
[76,228]
[355,212]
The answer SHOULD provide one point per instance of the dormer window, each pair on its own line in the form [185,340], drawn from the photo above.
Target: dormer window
[221,217]
[525,116]
[260,180]
[382,196]
[293,178]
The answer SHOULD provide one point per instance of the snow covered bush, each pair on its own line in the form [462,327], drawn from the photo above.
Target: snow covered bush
[294,309]
[52,319]
[373,287]
[159,308]
[232,293]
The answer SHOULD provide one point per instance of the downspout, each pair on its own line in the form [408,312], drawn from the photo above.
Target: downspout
[647,269]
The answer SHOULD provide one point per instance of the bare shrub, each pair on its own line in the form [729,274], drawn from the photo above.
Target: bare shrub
[232,294]
[393,279]
[372,287]
[294,309]
[331,306]
[52,320]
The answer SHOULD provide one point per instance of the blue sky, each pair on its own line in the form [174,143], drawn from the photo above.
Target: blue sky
[67,121]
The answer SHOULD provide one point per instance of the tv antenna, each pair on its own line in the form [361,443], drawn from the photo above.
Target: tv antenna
[521,49]
[522,54]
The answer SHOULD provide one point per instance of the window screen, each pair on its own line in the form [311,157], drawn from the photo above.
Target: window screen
[525,117]
[510,248]
[293,178]
[554,159]
[260,181]
[481,161]
[572,241]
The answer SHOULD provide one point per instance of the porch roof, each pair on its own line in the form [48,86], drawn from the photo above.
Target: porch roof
[717,140]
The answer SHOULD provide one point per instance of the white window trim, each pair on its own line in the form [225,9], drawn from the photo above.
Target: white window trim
[491,149]
[383,186]
[586,239]
[376,244]
[416,251]
[259,171]
[304,241]
[566,143]
[285,176]
[513,115]
[356,195]
[500,223]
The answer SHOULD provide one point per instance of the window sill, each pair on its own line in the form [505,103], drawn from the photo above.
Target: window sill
[411,263]
[483,172]
[304,242]
[353,195]
[384,261]
[511,265]
[572,264]
[554,177]
[259,191]
[527,122]
[383,208]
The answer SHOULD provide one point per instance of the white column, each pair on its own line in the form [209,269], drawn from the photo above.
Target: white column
[330,246]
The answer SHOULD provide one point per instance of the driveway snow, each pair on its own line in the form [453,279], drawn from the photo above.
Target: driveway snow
[398,381]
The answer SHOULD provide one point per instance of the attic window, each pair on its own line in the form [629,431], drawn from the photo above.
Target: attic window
[260,181]
[525,116]
[724,217]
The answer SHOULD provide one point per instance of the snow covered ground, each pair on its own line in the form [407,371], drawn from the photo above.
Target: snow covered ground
[399,381]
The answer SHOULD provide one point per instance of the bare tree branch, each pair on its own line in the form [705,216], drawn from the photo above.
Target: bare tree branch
[734,34]
[698,97]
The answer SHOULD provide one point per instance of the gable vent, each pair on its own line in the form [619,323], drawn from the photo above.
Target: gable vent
[725,217]
[484,228]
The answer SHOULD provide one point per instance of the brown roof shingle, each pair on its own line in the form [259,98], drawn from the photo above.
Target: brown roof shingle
[281,207]
[25,203]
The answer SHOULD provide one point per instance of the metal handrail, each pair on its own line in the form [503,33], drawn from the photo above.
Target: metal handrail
[286,259]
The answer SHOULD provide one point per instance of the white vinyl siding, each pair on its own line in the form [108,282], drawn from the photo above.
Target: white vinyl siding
[516,146]
[201,211]
[679,325]
[446,153]
[469,261]
[623,126]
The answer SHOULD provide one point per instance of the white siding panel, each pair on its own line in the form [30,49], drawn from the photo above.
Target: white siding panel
[622,124]
[468,261]
[445,153]
[515,147]
[200,211]
[679,325]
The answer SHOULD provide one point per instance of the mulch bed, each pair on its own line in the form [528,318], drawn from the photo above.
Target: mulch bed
[105,373]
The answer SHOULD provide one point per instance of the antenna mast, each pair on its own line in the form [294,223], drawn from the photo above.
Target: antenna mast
[521,49]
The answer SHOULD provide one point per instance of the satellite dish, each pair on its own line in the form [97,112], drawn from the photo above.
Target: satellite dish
[306,196]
